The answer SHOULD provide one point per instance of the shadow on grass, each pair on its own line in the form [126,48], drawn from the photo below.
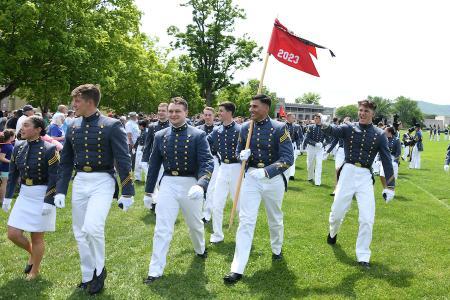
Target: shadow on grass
[402,198]
[224,249]
[346,287]
[19,288]
[274,282]
[149,218]
[191,285]
[294,188]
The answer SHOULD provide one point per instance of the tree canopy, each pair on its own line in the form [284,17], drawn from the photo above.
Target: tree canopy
[347,111]
[309,98]
[408,111]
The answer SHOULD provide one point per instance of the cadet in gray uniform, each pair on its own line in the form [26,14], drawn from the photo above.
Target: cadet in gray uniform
[94,145]
[362,141]
[269,155]
[35,163]
[188,164]
[163,122]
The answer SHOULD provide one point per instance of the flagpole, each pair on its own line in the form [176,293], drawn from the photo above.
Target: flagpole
[247,146]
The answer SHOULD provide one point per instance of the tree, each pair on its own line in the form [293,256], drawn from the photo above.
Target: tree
[309,98]
[384,107]
[49,47]
[241,94]
[408,111]
[347,111]
[215,52]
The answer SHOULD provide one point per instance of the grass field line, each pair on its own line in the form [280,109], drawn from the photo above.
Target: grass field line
[426,192]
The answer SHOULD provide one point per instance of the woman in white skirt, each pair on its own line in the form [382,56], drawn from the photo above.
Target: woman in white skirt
[34,163]
[395,148]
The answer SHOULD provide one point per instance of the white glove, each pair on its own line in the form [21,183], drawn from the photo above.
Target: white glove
[319,145]
[60,200]
[245,154]
[388,195]
[148,200]
[47,209]
[446,168]
[196,192]
[258,173]
[144,165]
[6,204]
[126,202]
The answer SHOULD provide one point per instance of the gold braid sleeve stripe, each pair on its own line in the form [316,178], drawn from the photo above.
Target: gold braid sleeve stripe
[126,180]
[54,159]
[50,192]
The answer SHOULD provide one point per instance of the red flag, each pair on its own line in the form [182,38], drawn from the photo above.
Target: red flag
[292,50]
[282,113]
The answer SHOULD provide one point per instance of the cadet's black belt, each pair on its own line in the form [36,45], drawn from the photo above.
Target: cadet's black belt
[230,161]
[359,165]
[31,181]
[89,169]
[179,173]
[257,165]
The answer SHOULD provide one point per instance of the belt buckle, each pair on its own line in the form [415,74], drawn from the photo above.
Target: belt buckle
[260,165]
[174,173]
[358,165]
[29,181]
[87,169]
[227,161]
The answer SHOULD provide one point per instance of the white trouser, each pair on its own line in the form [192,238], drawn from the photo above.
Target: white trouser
[362,189]
[137,164]
[339,158]
[291,171]
[438,136]
[92,195]
[394,167]
[156,190]
[415,158]
[271,191]
[173,196]
[405,152]
[314,163]
[226,183]
[208,205]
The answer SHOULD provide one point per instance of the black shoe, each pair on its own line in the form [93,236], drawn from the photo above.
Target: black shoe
[153,207]
[292,178]
[232,278]
[330,240]
[311,180]
[364,265]
[332,194]
[27,269]
[205,221]
[150,279]
[98,282]
[216,243]
[84,285]
[204,255]
[277,256]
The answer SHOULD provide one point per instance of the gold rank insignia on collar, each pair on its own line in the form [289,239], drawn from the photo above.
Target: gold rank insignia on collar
[87,168]
[28,181]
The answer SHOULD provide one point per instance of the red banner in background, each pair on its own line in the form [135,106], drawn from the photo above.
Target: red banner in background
[292,50]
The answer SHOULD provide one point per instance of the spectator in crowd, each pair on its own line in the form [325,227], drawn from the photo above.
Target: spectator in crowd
[55,129]
[6,148]
[27,111]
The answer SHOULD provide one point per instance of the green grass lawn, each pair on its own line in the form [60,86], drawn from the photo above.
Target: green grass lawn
[410,249]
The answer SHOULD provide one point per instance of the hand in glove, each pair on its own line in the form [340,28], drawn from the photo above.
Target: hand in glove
[60,200]
[126,202]
[148,200]
[446,168]
[144,165]
[245,154]
[47,209]
[258,173]
[196,192]
[388,195]
[6,204]
[319,145]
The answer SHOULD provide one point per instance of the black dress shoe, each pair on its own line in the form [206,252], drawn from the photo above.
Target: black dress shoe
[232,278]
[98,282]
[27,269]
[153,207]
[364,265]
[277,256]
[84,285]
[150,279]
[332,194]
[204,255]
[330,240]
[292,178]
[205,221]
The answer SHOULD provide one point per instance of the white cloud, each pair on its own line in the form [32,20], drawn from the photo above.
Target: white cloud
[383,48]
